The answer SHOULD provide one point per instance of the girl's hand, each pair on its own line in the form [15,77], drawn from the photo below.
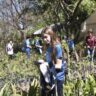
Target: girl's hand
[41,61]
[58,64]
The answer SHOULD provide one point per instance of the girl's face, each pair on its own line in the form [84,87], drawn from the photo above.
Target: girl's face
[47,38]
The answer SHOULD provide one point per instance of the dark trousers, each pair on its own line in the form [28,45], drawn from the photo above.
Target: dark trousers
[28,53]
[60,87]
[10,56]
[52,92]
[44,90]
[90,53]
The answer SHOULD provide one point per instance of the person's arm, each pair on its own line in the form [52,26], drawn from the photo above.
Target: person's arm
[39,46]
[94,42]
[29,46]
[58,57]
[86,42]
[58,64]
[73,45]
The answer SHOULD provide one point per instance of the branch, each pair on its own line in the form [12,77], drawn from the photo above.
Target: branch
[66,6]
[64,9]
[15,8]
[76,9]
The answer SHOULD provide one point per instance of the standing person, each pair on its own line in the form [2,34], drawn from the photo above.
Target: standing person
[72,49]
[38,45]
[54,58]
[27,47]
[90,44]
[9,49]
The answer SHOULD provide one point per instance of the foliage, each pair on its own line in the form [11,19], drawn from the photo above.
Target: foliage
[21,77]
[70,14]
[10,89]
[88,6]
[34,14]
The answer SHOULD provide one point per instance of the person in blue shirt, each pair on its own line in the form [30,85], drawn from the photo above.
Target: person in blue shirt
[27,47]
[71,45]
[54,57]
[38,45]
[72,49]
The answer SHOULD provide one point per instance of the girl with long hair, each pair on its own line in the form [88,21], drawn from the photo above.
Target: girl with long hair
[54,57]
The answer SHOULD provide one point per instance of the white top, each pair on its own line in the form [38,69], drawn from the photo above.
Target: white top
[9,49]
[27,42]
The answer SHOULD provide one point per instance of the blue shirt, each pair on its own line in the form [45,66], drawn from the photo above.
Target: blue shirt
[58,50]
[70,44]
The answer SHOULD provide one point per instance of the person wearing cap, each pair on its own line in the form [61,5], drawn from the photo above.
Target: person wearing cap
[90,44]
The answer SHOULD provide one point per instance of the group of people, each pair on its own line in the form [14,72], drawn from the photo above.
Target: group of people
[89,42]
[28,44]
[53,66]
[54,62]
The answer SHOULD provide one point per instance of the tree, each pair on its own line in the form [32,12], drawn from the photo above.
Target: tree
[15,13]
[20,14]
[70,13]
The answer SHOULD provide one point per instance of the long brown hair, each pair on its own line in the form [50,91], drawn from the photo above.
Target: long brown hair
[54,40]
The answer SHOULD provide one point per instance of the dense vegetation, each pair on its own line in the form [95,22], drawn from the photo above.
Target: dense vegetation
[19,77]
[18,18]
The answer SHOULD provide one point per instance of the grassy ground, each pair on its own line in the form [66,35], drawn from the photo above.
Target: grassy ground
[19,67]
[79,81]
